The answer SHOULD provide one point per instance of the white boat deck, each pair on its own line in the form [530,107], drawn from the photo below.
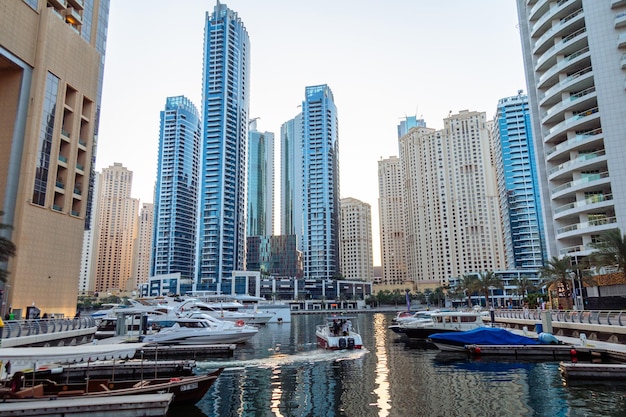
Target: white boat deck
[119,406]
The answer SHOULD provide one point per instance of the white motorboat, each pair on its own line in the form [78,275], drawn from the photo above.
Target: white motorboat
[414,319]
[338,333]
[441,322]
[203,330]
[218,311]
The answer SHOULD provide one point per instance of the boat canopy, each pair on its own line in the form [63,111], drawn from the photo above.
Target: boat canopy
[484,336]
[68,354]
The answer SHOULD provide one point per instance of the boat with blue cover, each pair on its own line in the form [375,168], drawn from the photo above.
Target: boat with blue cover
[457,341]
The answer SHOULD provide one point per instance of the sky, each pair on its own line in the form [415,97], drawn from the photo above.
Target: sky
[383,60]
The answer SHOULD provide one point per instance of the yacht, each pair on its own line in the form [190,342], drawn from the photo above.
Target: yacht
[203,329]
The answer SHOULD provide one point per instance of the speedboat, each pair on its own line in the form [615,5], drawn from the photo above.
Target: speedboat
[442,322]
[338,333]
[457,341]
[202,330]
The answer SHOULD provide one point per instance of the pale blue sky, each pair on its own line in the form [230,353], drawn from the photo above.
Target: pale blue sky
[383,60]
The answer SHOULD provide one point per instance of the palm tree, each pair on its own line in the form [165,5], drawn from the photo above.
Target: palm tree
[468,285]
[524,285]
[486,281]
[610,250]
[556,272]
[7,250]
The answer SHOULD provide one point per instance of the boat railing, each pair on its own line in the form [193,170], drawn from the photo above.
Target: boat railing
[599,317]
[19,328]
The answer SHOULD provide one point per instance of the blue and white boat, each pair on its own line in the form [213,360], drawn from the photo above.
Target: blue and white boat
[457,341]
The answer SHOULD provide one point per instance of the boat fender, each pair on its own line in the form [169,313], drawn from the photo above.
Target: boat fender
[239,323]
[174,379]
[573,352]
[477,350]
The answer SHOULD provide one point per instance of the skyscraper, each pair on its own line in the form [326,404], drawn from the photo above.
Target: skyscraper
[518,185]
[391,214]
[225,101]
[452,213]
[291,179]
[357,259]
[320,184]
[574,63]
[51,68]
[117,229]
[142,257]
[260,182]
[177,190]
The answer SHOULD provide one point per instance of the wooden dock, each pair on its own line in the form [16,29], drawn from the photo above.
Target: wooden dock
[544,351]
[605,372]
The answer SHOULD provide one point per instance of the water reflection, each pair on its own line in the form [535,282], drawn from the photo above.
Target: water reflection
[281,372]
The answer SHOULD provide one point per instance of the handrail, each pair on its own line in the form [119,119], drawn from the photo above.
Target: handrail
[18,328]
[613,318]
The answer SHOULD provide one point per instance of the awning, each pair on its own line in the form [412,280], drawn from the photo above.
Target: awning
[68,354]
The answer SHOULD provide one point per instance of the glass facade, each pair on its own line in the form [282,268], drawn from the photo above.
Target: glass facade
[320,191]
[519,185]
[225,102]
[260,216]
[176,194]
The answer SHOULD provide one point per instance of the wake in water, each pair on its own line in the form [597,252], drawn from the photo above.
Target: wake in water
[278,359]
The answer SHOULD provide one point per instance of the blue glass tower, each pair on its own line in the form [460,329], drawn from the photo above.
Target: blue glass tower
[225,99]
[321,209]
[519,185]
[176,193]
[260,215]
[291,179]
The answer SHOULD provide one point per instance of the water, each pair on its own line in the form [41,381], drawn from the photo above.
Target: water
[281,372]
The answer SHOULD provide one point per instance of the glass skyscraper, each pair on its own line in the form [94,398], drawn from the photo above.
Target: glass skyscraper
[291,178]
[260,182]
[176,194]
[519,185]
[225,100]
[320,191]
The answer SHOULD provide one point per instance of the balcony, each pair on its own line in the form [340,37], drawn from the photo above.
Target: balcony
[578,162]
[73,17]
[63,159]
[77,4]
[586,227]
[65,133]
[579,183]
[620,20]
[621,41]
[579,121]
[580,138]
[589,203]
[617,3]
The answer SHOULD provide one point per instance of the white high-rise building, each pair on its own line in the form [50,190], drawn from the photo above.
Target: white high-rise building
[391,221]
[452,214]
[574,57]
[357,259]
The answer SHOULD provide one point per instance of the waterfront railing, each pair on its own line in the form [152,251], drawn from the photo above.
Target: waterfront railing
[19,328]
[601,317]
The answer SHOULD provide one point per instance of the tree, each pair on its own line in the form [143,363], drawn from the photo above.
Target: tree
[556,273]
[610,249]
[524,285]
[468,286]
[7,250]
[437,295]
[486,281]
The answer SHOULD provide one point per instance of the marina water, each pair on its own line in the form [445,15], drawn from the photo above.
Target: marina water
[281,372]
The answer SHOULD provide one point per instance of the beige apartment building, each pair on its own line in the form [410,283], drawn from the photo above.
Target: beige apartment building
[116,230]
[452,213]
[357,259]
[391,221]
[51,66]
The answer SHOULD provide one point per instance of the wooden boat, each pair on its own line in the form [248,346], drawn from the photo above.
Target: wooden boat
[186,389]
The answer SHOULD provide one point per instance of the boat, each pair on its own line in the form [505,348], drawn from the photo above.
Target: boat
[457,341]
[202,330]
[415,319]
[218,311]
[146,405]
[338,333]
[186,389]
[443,321]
